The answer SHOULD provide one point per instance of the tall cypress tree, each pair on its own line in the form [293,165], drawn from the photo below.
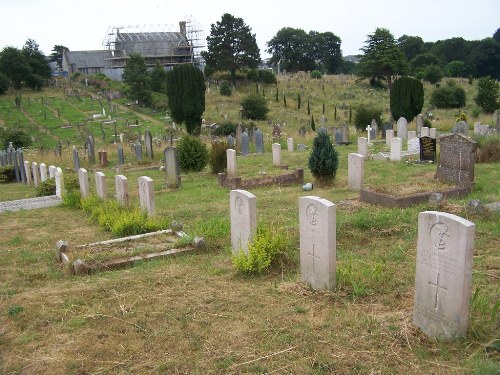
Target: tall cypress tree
[407,98]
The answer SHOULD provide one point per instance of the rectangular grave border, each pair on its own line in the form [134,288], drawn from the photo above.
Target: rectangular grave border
[81,267]
[385,200]
[228,182]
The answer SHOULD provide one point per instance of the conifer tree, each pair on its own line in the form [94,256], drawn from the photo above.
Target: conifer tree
[324,159]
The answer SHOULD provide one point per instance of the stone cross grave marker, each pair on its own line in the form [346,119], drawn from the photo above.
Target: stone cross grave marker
[172,174]
[147,195]
[121,187]
[83,180]
[355,171]
[317,221]
[149,144]
[363,146]
[369,134]
[427,149]
[443,274]
[231,162]
[277,154]
[43,172]
[245,145]
[259,141]
[456,160]
[100,185]
[243,212]
[396,148]
[402,128]
[290,145]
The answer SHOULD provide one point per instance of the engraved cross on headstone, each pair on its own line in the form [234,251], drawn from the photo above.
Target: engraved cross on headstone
[436,284]
[314,256]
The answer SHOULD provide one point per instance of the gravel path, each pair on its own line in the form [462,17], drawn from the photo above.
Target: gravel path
[30,203]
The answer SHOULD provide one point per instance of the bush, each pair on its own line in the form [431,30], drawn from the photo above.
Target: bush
[324,159]
[7,174]
[225,88]
[488,150]
[270,249]
[487,95]
[225,129]
[4,83]
[432,74]
[407,98]
[449,96]
[193,154]
[316,74]
[218,158]
[364,116]
[261,75]
[18,138]
[254,107]
[45,188]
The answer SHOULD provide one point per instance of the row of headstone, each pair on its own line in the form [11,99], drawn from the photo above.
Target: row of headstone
[146,189]
[443,264]
[482,129]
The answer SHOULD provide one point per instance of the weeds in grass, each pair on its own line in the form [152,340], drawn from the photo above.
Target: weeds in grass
[15,310]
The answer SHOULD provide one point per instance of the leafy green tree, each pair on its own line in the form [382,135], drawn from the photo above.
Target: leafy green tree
[231,46]
[137,79]
[432,74]
[454,49]
[57,55]
[406,98]
[411,46]
[487,95]
[418,63]
[496,35]
[254,107]
[382,58]
[225,88]
[365,114]
[40,68]
[261,75]
[324,159]
[4,83]
[18,137]
[158,78]
[325,51]
[14,64]
[455,69]
[186,96]
[484,58]
[448,96]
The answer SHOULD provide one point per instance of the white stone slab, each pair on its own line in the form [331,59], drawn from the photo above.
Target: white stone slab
[396,148]
[363,146]
[317,218]
[27,171]
[231,162]
[424,132]
[443,274]
[433,133]
[389,134]
[121,188]
[147,195]
[402,126]
[52,171]
[43,172]
[100,185]
[36,173]
[290,145]
[243,212]
[59,177]
[413,146]
[277,154]
[412,134]
[83,180]
[355,171]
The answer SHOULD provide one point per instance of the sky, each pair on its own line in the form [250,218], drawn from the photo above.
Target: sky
[84,25]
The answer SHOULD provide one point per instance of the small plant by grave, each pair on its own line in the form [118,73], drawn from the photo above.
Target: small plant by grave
[7,174]
[45,188]
[193,154]
[323,161]
[225,88]
[217,157]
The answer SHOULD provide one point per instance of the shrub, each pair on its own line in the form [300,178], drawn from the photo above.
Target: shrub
[407,98]
[225,129]
[193,154]
[316,74]
[254,107]
[449,96]
[7,174]
[47,187]
[487,95]
[432,74]
[324,159]
[218,158]
[4,83]
[225,89]
[488,150]
[18,138]
[261,75]
[364,116]
[72,199]
[269,249]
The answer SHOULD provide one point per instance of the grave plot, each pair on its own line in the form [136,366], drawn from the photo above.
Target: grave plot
[121,252]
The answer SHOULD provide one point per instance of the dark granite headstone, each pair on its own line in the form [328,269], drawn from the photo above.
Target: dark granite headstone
[230,141]
[149,144]
[456,160]
[302,131]
[20,159]
[91,149]
[387,126]
[338,137]
[259,142]
[121,157]
[76,160]
[245,145]
[276,131]
[427,149]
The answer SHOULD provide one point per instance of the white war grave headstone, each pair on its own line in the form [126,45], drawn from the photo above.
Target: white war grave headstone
[100,185]
[43,172]
[389,134]
[276,154]
[317,220]
[290,145]
[402,126]
[363,146]
[243,212]
[147,195]
[231,162]
[443,274]
[59,178]
[121,188]
[355,171]
[396,148]
[83,180]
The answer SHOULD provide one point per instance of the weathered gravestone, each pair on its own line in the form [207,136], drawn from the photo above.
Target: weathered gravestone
[59,178]
[396,148]
[461,127]
[100,185]
[91,149]
[22,170]
[276,131]
[317,221]
[443,274]
[239,131]
[432,133]
[302,131]
[374,126]
[301,147]
[387,126]
[290,145]
[138,151]
[402,126]
[412,134]
[277,154]
[76,159]
[121,156]
[427,147]
[147,195]
[27,172]
[355,171]
[363,146]
[259,141]
[414,146]
[420,123]
[338,136]
[231,162]
[424,132]
[456,160]
[245,144]
[52,171]
[149,144]
[17,168]
[36,173]
[243,212]
[121,187]
[43,172]
[389,134]
[83,180]
[230,141]
[345,133]
[173,177]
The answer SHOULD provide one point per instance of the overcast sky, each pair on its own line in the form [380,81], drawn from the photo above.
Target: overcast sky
[83,25]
